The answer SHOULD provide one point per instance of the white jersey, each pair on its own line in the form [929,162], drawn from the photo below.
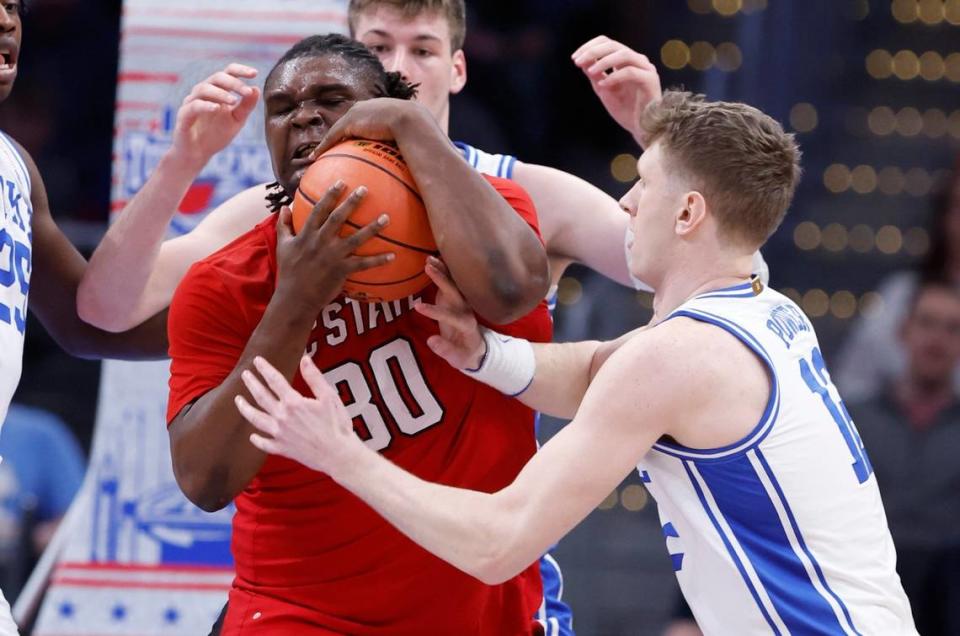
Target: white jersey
[782,532]
[486,163]
[15,266]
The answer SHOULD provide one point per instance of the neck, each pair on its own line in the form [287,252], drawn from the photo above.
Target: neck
[443,120]
[682,283]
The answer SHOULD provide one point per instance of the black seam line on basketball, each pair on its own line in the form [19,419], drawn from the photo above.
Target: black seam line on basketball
[306,196]
[392,282]
[378,167]
[395,241]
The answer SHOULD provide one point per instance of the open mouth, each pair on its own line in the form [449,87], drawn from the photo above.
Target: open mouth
[8,58]
[303,150]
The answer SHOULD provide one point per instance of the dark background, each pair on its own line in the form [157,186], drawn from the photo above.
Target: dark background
[805,63]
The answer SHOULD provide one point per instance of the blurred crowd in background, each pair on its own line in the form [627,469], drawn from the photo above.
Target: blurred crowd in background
[870,249]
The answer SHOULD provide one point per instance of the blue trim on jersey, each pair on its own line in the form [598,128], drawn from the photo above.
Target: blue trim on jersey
[729,546]
[558,617]
[803,545]
[20,161]
[746,506]
[510,164]
[500,166]
[770,413]
[739,295]
[552,303]
[740,290]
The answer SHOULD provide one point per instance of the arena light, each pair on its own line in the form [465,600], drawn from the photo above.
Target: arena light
[843,304]
[836,178]
[675,54]
[807,235]
[889,239]
[803,117]
[879,64]
[861,238]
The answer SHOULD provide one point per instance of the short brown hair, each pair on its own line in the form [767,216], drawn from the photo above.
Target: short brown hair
[746,165]
[453,10]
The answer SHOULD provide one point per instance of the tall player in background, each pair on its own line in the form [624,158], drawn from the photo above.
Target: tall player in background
[39,262]
[724,405]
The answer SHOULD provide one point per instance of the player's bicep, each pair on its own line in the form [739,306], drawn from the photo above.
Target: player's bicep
[56,266]
[207,333]
[622,414]
[225,223]
[579,221]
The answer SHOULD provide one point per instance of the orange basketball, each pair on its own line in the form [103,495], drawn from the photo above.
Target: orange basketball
[390,189]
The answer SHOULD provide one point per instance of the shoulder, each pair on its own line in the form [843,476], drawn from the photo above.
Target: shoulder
[236,215]
[248,262]
[684,357]
[518,198]
[29,166]
[499,165]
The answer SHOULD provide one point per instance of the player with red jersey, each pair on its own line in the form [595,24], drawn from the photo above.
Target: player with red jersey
[310,557]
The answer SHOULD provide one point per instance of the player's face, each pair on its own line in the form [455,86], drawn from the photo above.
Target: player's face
[931,335]
[302,99]
[652,203]
[10,35]
[419,49]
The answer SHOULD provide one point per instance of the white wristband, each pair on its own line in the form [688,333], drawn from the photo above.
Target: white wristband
[508,364]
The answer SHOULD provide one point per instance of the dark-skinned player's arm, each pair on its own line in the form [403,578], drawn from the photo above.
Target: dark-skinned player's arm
[495,257]
[213,459]
[56,270]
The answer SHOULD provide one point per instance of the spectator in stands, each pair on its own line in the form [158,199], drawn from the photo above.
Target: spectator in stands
[41,471]
[873,355]
[911,430]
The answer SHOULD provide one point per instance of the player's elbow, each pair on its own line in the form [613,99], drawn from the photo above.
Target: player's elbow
[201,489]
[496,571]
[517,284]
[503,552]
[94,309]
[203,483]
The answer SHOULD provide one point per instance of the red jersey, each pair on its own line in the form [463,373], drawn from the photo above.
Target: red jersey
[310,557]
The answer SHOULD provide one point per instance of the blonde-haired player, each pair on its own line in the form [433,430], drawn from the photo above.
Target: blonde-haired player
[724,405]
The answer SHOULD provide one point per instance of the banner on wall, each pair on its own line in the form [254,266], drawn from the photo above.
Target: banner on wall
[135,557]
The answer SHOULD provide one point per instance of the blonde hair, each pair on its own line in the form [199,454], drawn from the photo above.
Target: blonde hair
[746,166]
[454,11]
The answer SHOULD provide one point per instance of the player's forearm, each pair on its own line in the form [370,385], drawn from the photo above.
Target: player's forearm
[496,259]
[116,280]
[562,377]
[213,459]
[473,531]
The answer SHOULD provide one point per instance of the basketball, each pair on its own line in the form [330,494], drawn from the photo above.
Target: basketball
[390,189]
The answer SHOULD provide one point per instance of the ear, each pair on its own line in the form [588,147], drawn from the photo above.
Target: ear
[693,214]
[458,72]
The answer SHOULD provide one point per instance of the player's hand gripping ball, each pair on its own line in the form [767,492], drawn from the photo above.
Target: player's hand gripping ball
[391,190]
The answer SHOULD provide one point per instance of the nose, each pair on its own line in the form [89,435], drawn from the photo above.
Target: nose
[307,115]
[396,61]
[8,21]
[625,204]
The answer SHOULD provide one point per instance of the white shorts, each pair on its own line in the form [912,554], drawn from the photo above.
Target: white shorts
[7,626]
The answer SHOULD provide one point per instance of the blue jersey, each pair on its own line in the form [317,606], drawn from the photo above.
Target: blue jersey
[15,266]
[782,532]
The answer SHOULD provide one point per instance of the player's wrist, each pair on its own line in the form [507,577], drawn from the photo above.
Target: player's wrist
[508,364]
[181,160]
